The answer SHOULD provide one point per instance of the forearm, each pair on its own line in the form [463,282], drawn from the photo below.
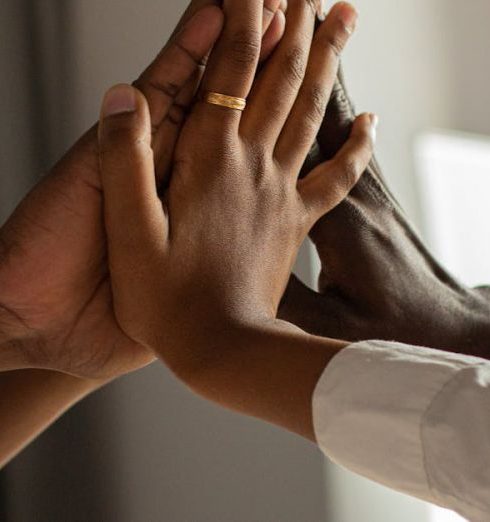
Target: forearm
[268,372]
[32,400]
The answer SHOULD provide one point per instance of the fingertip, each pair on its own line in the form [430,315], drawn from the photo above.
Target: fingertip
[372,123]
[337,28]
[367,123]
[119,99]
[124,113]
[123,99]
[207,23]
[347,14]
[216,18]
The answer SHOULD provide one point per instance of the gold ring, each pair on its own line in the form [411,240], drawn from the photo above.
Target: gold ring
[230,102]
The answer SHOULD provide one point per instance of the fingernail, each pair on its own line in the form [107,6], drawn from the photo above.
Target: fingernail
[374,125]
[348,15]
[321,9]
[118,100]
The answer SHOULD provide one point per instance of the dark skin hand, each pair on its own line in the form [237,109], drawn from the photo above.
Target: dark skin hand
[378,280]
[55,300]
[55,296]
[198,275]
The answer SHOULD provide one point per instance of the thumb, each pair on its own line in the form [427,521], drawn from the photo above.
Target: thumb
[135,220]
[330,183]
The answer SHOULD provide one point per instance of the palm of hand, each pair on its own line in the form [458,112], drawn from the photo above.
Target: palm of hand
[54,276]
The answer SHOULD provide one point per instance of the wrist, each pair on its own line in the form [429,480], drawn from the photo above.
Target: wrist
[476,324]
[12,340]
[267,370]
[192,335]
[459,323]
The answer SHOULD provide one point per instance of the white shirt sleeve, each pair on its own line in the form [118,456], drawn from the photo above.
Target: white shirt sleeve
[414,419]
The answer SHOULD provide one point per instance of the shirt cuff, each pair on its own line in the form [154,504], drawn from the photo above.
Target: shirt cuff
[369,407]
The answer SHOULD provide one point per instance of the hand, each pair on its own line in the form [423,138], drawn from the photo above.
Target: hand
[56,303]
[197,274]
[55,299]
[378,281]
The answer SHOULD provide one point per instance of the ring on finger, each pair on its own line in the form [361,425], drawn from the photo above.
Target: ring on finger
[223,100]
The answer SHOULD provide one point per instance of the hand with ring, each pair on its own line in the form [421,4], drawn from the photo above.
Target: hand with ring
[57,323]
[197,274]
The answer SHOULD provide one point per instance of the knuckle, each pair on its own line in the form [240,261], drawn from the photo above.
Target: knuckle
[335,43]
[259,164]
[245,47]
[177,114]
[349,175]
[316,99]
[294,65]
[167,88]
[150,82]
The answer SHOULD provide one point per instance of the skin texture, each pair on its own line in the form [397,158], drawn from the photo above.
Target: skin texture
[198,273]
[378,280]
[55,299]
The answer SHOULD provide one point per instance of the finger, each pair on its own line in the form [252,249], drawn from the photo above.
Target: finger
[270,9]
[165,138]
[191,10]
[277,87]
[162,82]
[233,62]
[308,112]
[330,183]
[134,217]
[273,35]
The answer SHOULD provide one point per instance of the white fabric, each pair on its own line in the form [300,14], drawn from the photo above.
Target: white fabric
[414,419]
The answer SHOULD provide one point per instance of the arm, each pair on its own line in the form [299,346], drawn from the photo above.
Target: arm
[413,419]
[56,299]
[198,275]
[361,241]
[30,401]
[268,372]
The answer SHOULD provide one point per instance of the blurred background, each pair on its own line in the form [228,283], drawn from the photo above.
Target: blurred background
[145,449]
